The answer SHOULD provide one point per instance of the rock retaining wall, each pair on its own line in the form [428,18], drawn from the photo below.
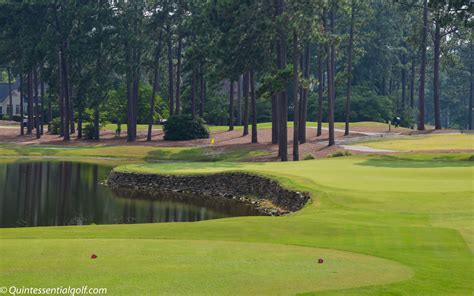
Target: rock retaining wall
[267,194]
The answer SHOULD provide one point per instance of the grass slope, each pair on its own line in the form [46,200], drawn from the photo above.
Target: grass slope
[415,213]
[420,143]
[148,153]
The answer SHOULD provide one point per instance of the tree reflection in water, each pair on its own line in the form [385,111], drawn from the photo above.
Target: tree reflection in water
[46,193]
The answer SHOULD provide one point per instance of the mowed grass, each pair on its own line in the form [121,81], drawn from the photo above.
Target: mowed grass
[420,143]
[312,124]
[133,152]
[410,216]
[170,267]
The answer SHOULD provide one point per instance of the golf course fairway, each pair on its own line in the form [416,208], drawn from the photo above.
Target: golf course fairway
[382,225]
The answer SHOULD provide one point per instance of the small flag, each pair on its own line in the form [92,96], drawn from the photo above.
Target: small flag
[212,141]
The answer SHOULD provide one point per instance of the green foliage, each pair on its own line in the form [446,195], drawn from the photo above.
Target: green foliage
[16,118]
[89,131]
[183,127]
[116,105]
[308,157]
[366,105]
[340,153]
[408,117]
[275,82]
[55,126]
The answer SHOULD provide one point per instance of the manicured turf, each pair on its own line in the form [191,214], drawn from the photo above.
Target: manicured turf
[338,125]
[415,216]
[132,152]
[188,267]
[420,143]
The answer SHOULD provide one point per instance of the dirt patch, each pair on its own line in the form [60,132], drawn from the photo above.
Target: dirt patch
[316,146]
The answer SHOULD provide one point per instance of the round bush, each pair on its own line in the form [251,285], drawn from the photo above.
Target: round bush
[89,131]
[55,126]
[183,127]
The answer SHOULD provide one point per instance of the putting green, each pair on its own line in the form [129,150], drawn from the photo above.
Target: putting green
[188,267]
[420,143]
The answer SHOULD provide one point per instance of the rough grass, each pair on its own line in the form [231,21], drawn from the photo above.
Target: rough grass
[420,143]
[415,212]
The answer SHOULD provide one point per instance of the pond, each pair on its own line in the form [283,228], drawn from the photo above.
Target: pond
[52,193]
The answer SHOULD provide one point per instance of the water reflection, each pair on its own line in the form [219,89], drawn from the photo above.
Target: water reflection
[68,193]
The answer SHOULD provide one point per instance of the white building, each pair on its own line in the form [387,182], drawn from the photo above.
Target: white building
[5,99]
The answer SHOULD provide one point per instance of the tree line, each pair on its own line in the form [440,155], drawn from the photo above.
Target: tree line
[88,62]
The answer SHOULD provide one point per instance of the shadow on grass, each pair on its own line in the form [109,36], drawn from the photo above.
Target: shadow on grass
[204,154]
[425,161]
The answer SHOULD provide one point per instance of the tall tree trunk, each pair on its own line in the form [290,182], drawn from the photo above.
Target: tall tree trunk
[71,110]
[471,88]
[170,72]
[29,129]
[136,87]
[305,93]
[253,107]
[349,69]
[22,109]
[245,90]
[193,92]
[436,91]
[275,112]
[42,106]
[404,81]
[331,82]
[178,76]
[10,101]
[30,126]
[60,94]
[130,91]
[295,97]
[202,89]
[283,99]
[412,83]
[275,119]
[96,123]
[421,90]
[65,76]
[156,78]
[231,105]
[239,100]
[79,122]
[320,90]
[36,102]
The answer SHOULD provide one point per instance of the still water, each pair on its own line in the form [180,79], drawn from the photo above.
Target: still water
[67,193]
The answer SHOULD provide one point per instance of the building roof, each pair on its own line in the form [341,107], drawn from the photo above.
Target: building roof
[5,91]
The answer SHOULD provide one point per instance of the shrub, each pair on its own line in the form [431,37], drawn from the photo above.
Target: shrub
[183,127]
[88,131]
[308,157]
[55,126]
[340,153]
[16,118]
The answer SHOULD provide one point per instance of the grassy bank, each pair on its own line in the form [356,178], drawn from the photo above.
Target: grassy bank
[134,152]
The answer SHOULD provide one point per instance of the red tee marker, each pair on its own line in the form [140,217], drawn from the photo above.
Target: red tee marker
[93,256]
[320,261]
